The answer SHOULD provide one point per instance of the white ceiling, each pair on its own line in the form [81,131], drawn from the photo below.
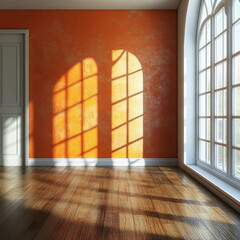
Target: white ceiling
[89,4]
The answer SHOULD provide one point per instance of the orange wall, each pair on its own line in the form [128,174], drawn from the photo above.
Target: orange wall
[75,58]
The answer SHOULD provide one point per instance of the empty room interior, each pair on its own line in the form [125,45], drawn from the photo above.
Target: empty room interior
[120,119]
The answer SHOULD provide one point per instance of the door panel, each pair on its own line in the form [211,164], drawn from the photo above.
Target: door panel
[11,99]
[10,91]
[11,139]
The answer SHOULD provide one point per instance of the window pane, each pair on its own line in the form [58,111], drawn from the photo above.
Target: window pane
[204,128]
[221,130]
[203,14]
[208,104]
[204,151]
[236,10]
[236,163]
[205,34]
[204,81]
[208,80]
[220,22]
[221,75]
[204,105]
[203,41]
[236,132]
[208,153]
[221,103]
[205,57]
[221,157]
[236,69]
[208,30]
[202,59]
[236,101]
[220,47]
[208,55]
[236,36]
[209,6]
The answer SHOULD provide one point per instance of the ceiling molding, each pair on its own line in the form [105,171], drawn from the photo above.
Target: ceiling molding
[88,4]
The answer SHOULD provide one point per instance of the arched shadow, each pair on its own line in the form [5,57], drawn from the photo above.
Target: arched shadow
[127,105]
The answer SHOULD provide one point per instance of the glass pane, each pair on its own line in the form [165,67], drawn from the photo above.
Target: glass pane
[202,41]
[221,130]
[208,80]
[236,133]
[204,151]
[208,129]
[236,163]
[221,75]
[208,152]
[236,10]
[204,128]
[203,14]
[220,22]
[204,105]
[208,104]
[220,47]
[236,36]
[208,55]
[204,81]
[208,30]
[209,6]
[202,59]
[236,101]
[221,157]
[221,103]
[236,70]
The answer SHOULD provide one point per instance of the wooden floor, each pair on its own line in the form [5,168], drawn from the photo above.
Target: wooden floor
[110,203]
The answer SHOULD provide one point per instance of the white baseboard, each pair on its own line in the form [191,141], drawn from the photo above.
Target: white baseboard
[103,162]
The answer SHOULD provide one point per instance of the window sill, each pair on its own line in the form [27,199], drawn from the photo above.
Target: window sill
[225,191]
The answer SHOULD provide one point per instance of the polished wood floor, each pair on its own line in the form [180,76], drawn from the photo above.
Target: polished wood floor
[110,203]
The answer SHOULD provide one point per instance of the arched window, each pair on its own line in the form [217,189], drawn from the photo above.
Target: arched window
[218,88]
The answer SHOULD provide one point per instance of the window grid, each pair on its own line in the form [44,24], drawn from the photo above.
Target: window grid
[235,85]
[222,139]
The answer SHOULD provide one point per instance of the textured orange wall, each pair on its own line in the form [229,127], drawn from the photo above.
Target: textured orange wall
[72,52]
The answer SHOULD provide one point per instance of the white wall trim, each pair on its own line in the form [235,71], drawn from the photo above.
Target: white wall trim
[26,76]
[103,162]
[89,4]
[187,30]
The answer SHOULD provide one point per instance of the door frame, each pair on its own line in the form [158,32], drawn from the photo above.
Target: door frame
[25,119]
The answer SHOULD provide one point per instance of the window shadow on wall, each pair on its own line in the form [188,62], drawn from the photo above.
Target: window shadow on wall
[75,112]
[127,105]
[95,111]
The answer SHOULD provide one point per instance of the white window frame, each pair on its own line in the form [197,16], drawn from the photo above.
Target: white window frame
[228,176]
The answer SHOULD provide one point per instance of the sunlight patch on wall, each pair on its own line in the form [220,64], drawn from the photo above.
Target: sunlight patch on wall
[75,112]
[127,105]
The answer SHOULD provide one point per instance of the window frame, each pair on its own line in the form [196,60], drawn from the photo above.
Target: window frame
[212,168]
